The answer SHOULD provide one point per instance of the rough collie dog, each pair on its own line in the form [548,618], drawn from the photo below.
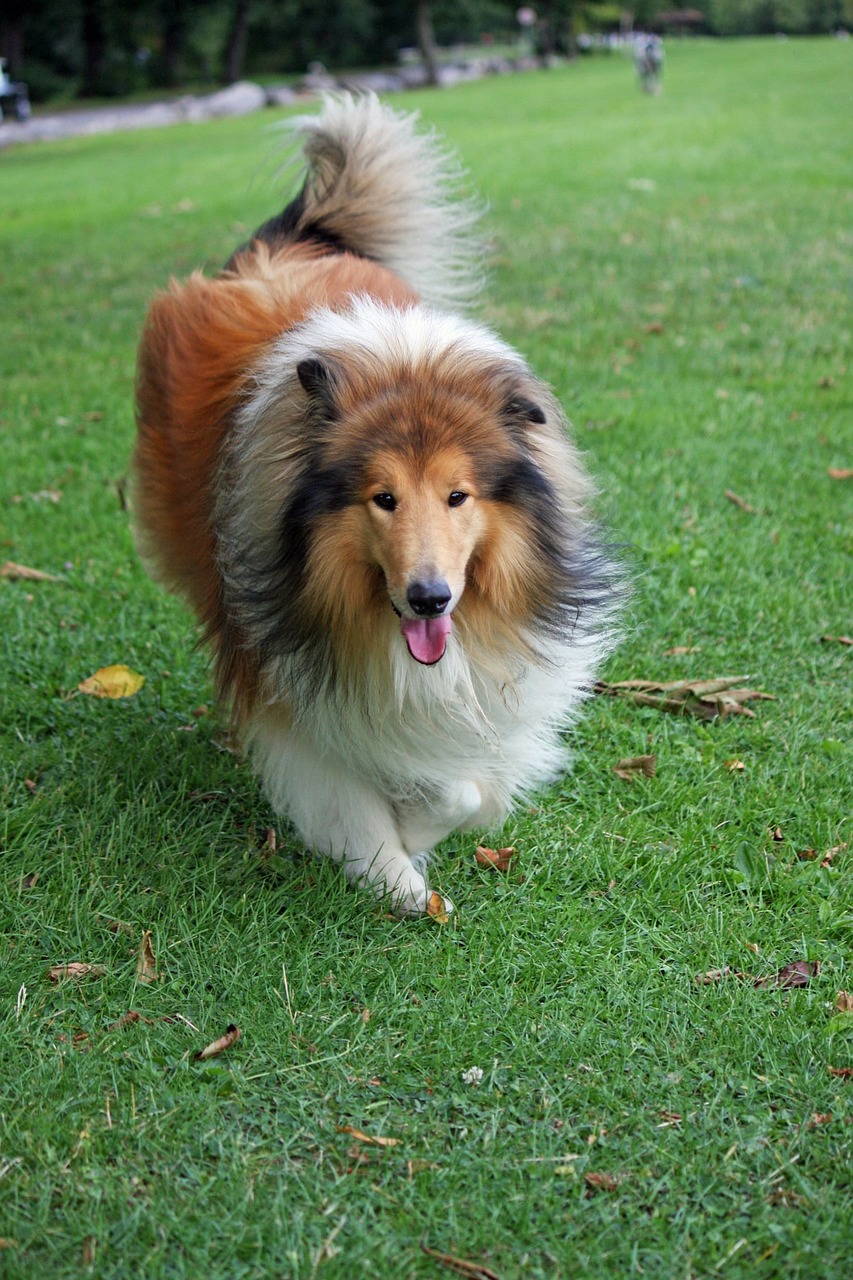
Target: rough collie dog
[373,508]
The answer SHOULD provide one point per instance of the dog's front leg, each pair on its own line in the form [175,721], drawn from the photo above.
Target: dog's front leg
[343,816]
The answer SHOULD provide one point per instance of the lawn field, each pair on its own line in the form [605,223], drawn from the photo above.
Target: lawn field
[681,269]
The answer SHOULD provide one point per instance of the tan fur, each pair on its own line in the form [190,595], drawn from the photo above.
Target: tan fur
[202,340]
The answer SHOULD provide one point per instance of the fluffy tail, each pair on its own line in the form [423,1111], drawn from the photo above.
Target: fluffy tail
[377,188]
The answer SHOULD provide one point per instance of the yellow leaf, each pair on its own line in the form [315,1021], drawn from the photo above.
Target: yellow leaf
[436,908]
[146,965]
[14,571]
[374,1140]
[113,682]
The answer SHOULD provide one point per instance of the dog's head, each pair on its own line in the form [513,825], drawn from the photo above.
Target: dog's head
[432,481]
[440,487]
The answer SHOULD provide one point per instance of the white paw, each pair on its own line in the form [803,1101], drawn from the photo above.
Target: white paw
[417,899]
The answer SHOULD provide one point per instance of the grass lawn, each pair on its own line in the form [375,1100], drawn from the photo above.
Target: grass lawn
[680,268]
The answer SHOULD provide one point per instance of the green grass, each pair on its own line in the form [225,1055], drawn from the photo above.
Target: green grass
[680,268]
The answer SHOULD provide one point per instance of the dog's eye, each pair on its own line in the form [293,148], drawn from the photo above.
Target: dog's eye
[456,498]
[386,501]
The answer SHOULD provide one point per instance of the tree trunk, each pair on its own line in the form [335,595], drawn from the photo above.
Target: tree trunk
[94,36]
[426,41]
[12,38]
[174,32]
[235,45]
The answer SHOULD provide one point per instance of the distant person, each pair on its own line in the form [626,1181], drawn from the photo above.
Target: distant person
[648,59]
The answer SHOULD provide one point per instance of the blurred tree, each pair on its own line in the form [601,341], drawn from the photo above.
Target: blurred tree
[235,43]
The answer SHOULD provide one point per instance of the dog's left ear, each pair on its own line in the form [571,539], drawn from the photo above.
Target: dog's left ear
[320,379]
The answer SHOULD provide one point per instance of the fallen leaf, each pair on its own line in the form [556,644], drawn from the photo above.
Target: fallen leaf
[840,473]
[713,975]
[127,1020]
[365,1015]
[75,971]
[500,859]
[844,1002]
[797,974]
[784,1198]
[113,682]
[740,502]
[632,765]
[30,881]
[15,571]
[601,1181]
[735,766]
[146,965]
[836,639]
[818,1118]
[706,699]
[473,1270]
[830,853]
[360,1136]
[670,1119]
[842,1073]
[232,1035]
[436,908]
[777,835]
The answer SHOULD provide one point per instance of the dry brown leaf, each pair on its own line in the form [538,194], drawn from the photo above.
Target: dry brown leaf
[232,1035]
[628,768]
[797,974]
[462,1267]
[29,881]
[670,1119]
[714,975]
[360,1136]
[844,1002]
[830,853]
[436,907]
[735,766]
[706,699]
[840,473]
[843,1073]
[146,964]
[15,571]
[113,682]
[75,971]
[740,502]
[836,639]
[601,1181]
[499,859]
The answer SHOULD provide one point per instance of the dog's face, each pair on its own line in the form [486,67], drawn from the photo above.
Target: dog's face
[396,490]
[421,527]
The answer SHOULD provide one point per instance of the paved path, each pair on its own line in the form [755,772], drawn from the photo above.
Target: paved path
[238,99]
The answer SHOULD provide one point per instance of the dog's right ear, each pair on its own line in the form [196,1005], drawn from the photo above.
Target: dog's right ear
[321,381]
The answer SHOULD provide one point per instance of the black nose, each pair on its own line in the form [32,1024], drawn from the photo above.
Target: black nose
[429,599]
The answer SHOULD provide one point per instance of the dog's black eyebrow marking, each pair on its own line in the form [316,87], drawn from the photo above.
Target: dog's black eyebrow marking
[521,407]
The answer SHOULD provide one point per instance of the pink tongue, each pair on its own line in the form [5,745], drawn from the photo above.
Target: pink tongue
[426,637]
